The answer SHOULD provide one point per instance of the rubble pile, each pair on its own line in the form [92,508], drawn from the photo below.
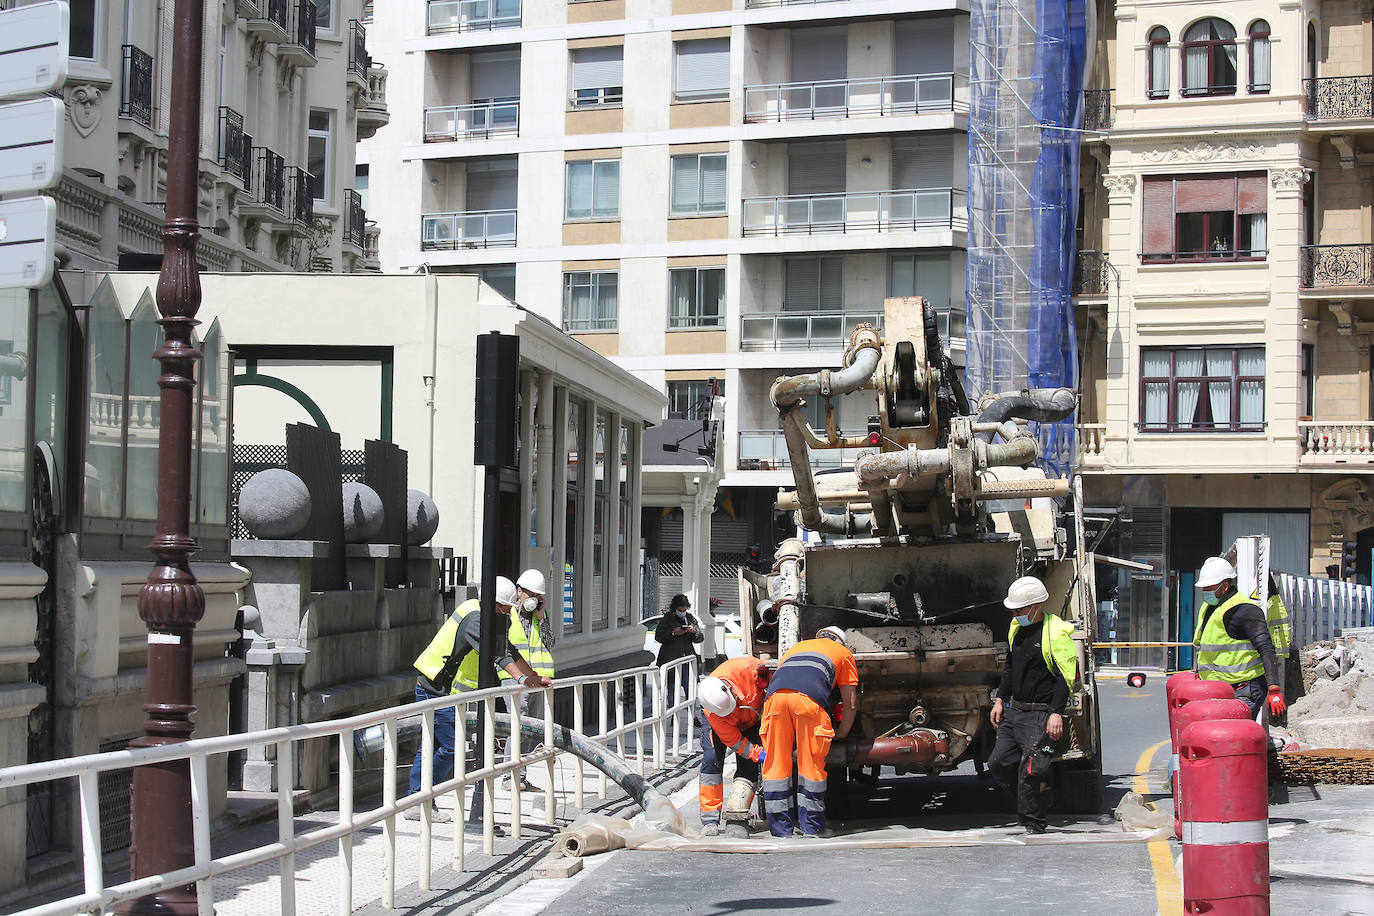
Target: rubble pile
[1338,708]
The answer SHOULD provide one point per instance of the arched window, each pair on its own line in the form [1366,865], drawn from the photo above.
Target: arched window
[1311,51]
[1259,56]
[1209,58]
[1158,63]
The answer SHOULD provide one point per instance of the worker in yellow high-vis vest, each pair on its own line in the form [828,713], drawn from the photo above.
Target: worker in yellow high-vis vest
[532,637]
[1233,643]
[450,664]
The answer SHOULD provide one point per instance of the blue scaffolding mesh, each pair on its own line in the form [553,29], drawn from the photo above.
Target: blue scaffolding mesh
[1025,118]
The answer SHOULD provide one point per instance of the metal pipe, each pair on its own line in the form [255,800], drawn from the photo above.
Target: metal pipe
[765,633]
[916,462]
[1019,452]
[1044,405]
[788,566]
[914,750]
[769,615]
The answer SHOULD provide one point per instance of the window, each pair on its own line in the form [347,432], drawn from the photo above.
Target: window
[928,276]
[1202,389]
[701,69]
[594,189]
[1259,57]
[501,279]
[361,177]
[691,400]
[81,28]
[1205,218]
[1209,58]
[1309,380]
[698,184]
[696,297]
[324,15]
[591,300]
[598,76]
[813,284]
[574,447]
[1158,77]
[317,154]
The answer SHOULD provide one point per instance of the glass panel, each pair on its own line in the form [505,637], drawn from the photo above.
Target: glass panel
[793,331]
[14,339]
[711,291]
[606,196]
[1155,364]
[572,443]
[598,595]
[684,184]
[756,329]
[713,184]
[1187,363]
[622,576]
[214,429]
[141,473]
[826,328]
[105,333]
[1156,410]
[49,368]
[579,190]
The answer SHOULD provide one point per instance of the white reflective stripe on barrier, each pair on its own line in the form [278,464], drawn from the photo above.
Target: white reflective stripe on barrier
[1234,833]
[1173,764]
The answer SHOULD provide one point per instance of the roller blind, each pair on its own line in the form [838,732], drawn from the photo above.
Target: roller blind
[922,162]
[703,67]
[923,46]
[1204,195]
[491,187]
[819,54]
[1252,194]
[598,68]
[496,75]
[813,284]
[815,168]
[1158,207]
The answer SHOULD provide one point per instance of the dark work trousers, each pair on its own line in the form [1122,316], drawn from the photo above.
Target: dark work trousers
[712,778]
[1020,732]
[1253,693]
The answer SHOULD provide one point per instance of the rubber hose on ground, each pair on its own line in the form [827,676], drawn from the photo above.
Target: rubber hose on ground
[1058,405]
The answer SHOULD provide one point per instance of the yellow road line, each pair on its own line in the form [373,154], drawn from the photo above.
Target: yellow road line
[1168,892]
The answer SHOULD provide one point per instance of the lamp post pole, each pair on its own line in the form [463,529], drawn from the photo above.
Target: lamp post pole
[171,602]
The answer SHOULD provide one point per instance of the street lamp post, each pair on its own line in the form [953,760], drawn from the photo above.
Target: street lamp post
[171,602]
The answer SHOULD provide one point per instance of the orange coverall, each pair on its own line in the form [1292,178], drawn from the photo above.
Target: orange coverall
[732,732]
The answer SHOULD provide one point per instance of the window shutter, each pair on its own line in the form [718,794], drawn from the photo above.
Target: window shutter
[1158,207]
[922,162]
[1205,195]
[598,68]
[923,46]
[815,168]
[684,184]
[1252,195]
[713,183]
[579,190]
[819,54]
[703,67]
[832,283]
[606,197]
[495,75]
[800,284]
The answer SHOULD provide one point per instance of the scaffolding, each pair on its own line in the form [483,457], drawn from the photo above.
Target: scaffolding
[1028,63]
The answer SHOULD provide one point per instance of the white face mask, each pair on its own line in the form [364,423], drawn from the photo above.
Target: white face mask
[529,606]
[1023,619]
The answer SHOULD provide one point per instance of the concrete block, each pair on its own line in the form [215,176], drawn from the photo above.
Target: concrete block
[557,866]
[1348,732]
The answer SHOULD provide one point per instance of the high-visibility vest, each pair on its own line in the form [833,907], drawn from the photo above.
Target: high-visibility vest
[530,647]
[1056,644]
[440,662]
[1220,656]
[1280,630]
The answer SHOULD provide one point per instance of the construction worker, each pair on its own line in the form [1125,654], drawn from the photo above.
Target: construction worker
[796,715]
[532,638]
[731,700]
[449,665]
[1037,679]
[1233,643]
[1280,629]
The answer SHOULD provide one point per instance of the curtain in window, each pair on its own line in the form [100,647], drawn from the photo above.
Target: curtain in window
[682,286]
[1188,363]
[1259,234]
[579,297]
[1156,403]
[1259,63]
[1219,386]
[1195,67]
[607,299]
[606,193]
[711,291]
[1251,363]
[712,184]
[1159,68]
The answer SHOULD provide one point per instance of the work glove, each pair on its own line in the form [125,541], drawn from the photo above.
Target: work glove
[763,755]
[1275,702]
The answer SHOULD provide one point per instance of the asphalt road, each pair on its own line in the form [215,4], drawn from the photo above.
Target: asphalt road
[1102,879]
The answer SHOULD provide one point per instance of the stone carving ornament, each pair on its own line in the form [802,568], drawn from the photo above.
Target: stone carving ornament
[1119,185]
[1289,179]
[83,107]
[1203,151]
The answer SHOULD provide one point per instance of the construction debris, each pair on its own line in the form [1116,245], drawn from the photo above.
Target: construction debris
[1334,767]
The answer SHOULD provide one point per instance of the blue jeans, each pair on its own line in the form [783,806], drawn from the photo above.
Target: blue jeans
[444,720]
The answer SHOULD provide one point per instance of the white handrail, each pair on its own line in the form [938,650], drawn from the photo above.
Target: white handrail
[196,753]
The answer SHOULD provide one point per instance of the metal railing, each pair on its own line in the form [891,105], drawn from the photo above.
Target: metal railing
[472,15]
[235,147]
[760,4]
[358,59]
[1097,109]
[662,733]
[269,179]
[1317,608]
[801,330]
[471,122]
[868,211]
[470,229]
[302,30]
[1091,274]
[1339,98]
[1324,266]
[766,450]
[276,12]
[884,95]
[300,186]
[354,219]
[1336,441]
[136,85]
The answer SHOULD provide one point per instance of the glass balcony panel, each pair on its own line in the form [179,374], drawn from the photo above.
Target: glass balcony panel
[900,207]
[826,328]
[756,330]
[934,92]
[797,212]
[831,96]
[828,210]
[793,331]
[932,207]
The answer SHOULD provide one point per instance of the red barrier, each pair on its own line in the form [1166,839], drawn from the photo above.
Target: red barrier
[1201,711]
[1186,690]
[1171,688]
[1224,765]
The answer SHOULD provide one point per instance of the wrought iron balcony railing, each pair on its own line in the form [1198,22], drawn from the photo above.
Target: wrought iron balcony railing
[1092,274]
[471,229]
[472,15]
[136,86]
[472,122]
[235,147]
[354,219]
[1323,266]
[302,30]
[1097,109]
[269,179]
[358,59]
[272,13]
[300,188]
[1339,98]
[885,95]
[872,211]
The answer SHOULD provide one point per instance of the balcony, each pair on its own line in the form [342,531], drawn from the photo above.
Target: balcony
[802,330]
[766,450]
[268,184]
[1335,266]
[372,247]
[472,15]
[1092,274]
[473,229]
[235,147]
[1092,443]
[472,122]
[359,61]
[354,220]
[372,111]
[874,97]
[871,211]
[300,190]
[1336,443]
[299,46]
[271,21]
[1097,109]
[1339,98]
[764,4]
[136,86]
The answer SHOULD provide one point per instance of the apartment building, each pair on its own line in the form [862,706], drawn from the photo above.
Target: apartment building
[1224,289]
[700,189]
[288,86]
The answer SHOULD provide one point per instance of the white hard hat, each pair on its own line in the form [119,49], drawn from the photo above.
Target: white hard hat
[834,633]
[1024,592]
[532,581]
[1215,570]
[715,696]
[505,591]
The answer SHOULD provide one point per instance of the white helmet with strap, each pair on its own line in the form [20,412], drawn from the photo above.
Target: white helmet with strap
[532,581]
[834,633]
[716,696]
[1215,570]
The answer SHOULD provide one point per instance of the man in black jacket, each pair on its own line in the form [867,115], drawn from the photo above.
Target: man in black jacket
[677,635]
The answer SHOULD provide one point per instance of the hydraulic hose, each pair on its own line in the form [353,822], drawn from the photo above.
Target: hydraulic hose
[1044,405]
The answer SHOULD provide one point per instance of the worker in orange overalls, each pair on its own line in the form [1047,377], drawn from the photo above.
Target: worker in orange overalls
[796,714]
[731,704]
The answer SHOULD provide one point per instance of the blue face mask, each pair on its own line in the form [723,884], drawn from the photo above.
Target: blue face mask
[1209,598]
[1023,619]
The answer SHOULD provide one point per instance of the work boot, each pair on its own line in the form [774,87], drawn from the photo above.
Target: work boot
[825,834]
[437,815]
[710,829]
[1033,830]
[476,829]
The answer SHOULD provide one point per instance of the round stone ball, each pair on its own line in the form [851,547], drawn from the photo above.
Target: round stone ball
[274,504]
[362,513]
[422,517]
